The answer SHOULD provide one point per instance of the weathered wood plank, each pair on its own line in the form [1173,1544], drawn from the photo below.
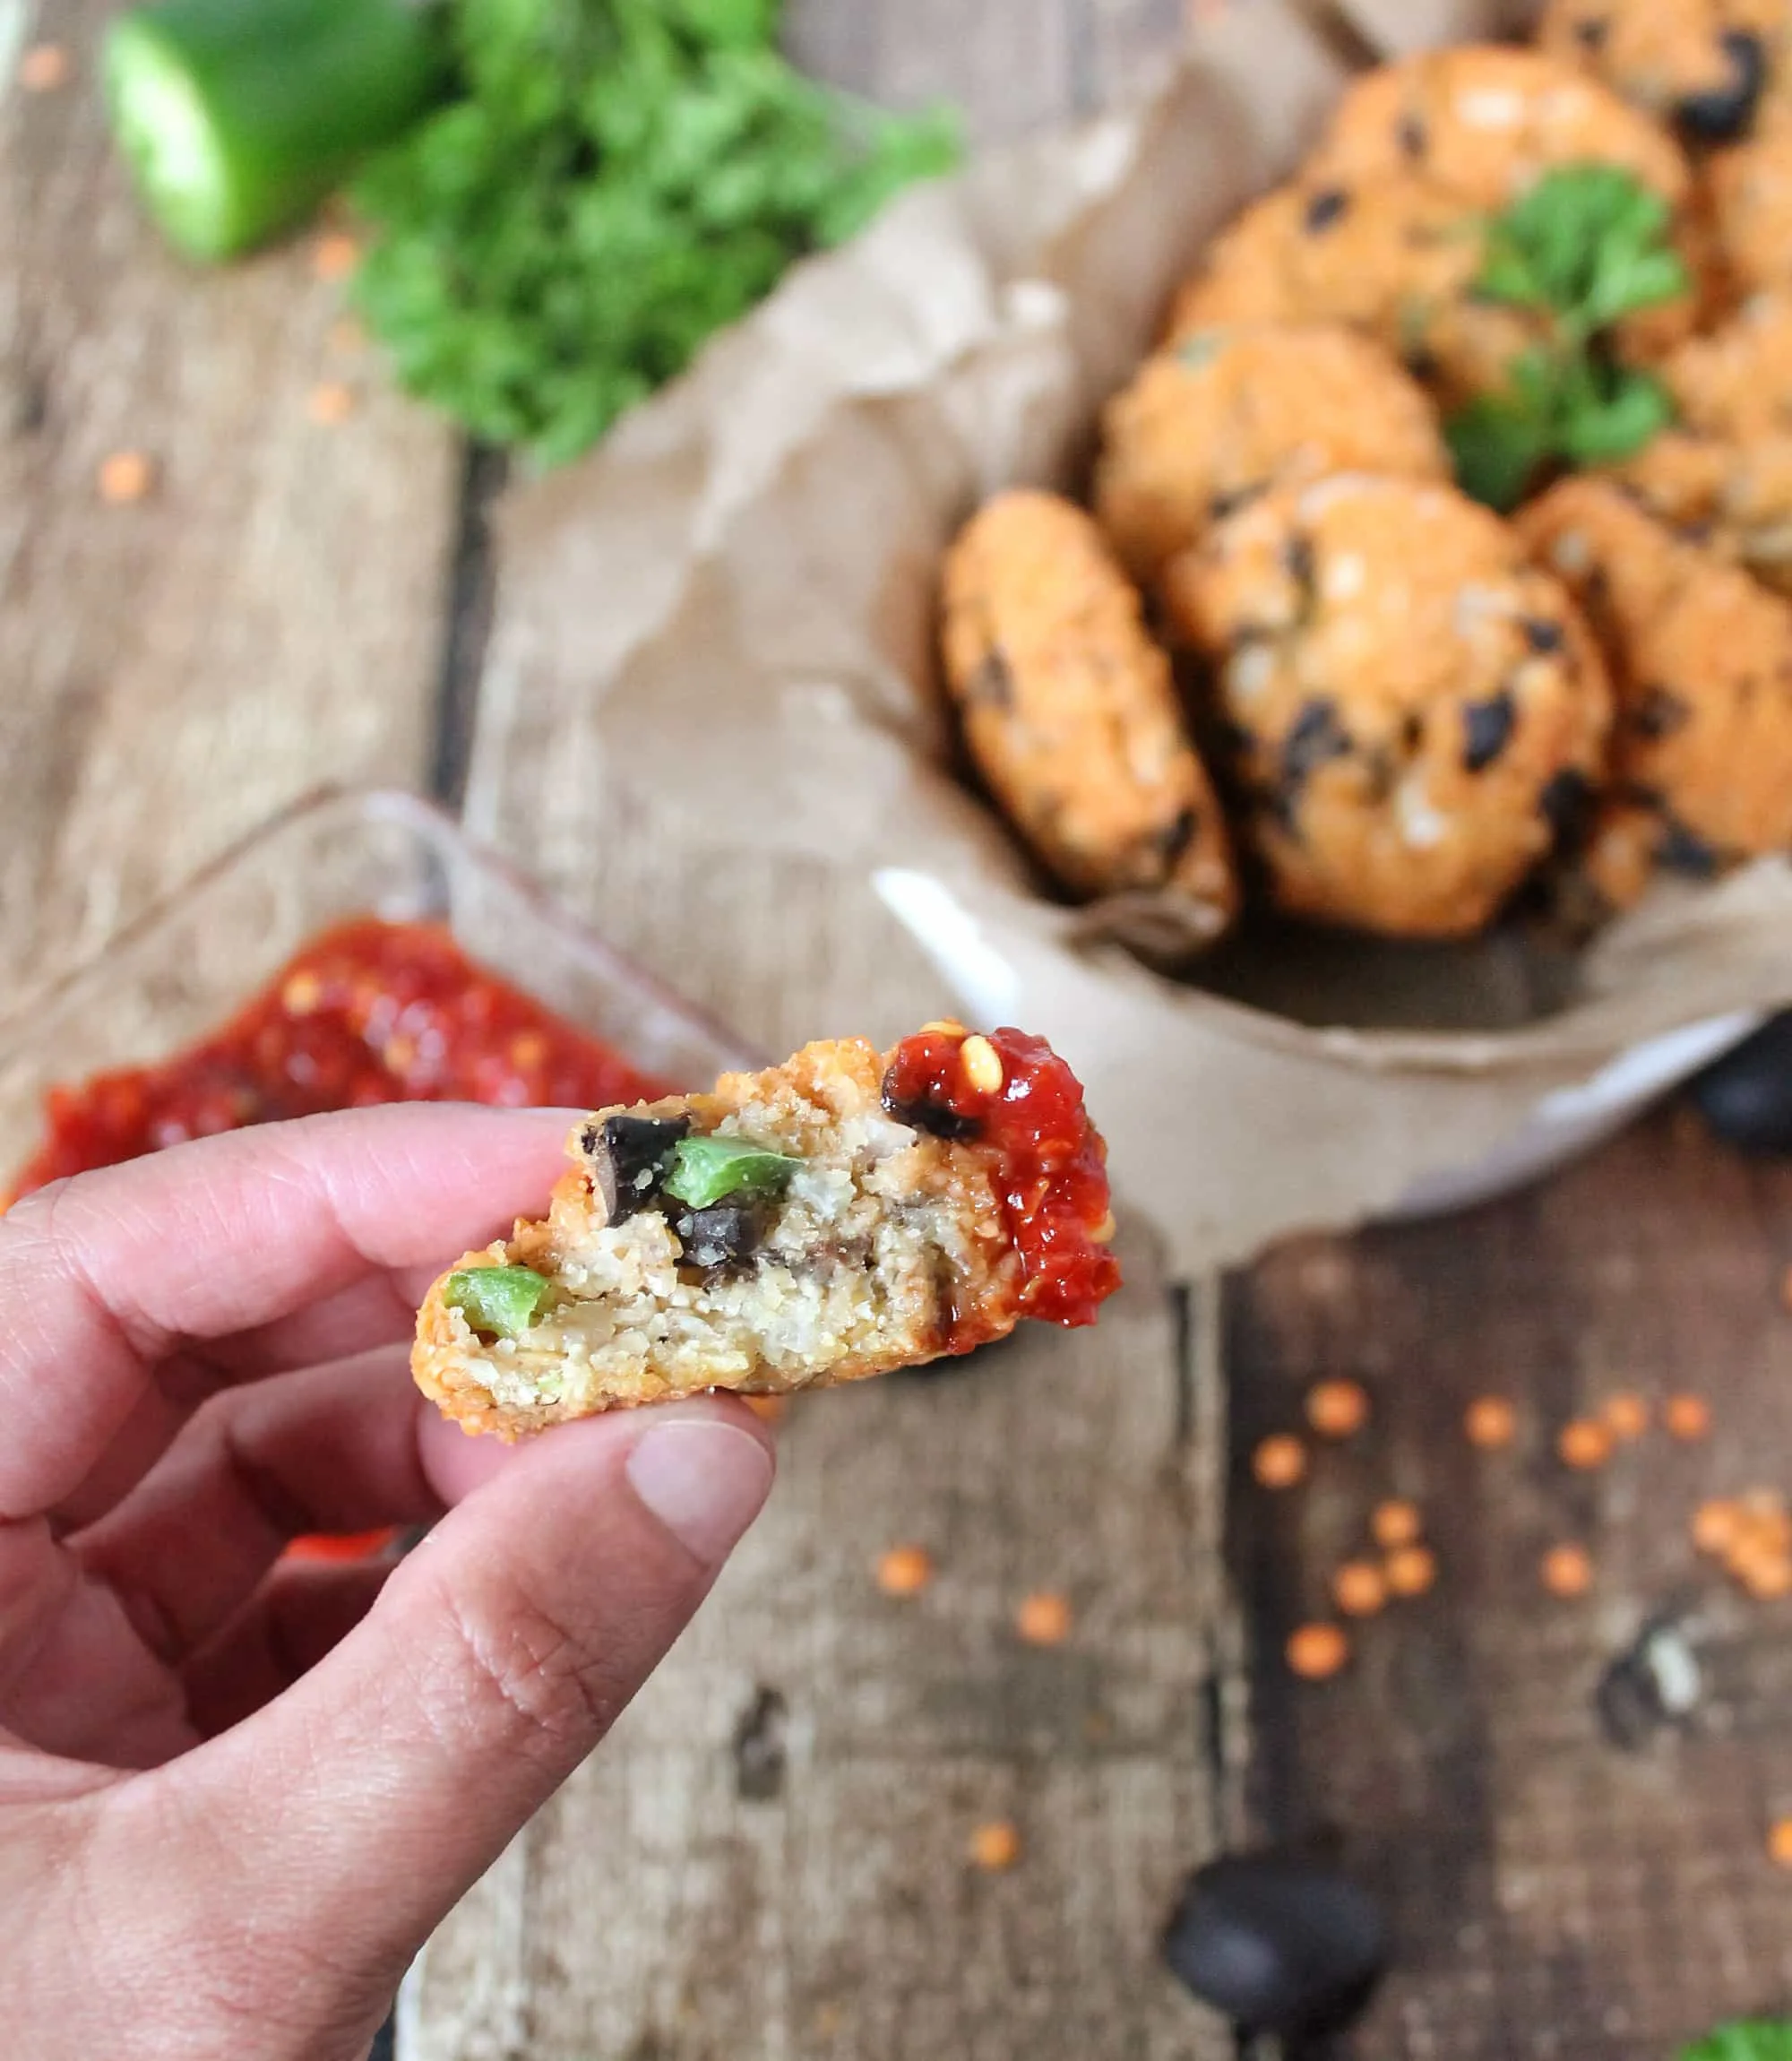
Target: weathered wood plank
[269,617]
[1553,1894]
[769,1857]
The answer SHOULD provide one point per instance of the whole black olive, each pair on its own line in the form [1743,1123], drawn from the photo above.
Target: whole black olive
[1746,1097]
[1728,111]
[1279,1943]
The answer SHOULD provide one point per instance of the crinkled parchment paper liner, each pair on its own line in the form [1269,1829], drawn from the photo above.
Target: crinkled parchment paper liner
[745,575]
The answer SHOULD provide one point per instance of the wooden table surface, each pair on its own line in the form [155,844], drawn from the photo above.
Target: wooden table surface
[768,1857]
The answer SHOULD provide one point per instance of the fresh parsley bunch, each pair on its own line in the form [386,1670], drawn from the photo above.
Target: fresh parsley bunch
[617,180]
[1587,246]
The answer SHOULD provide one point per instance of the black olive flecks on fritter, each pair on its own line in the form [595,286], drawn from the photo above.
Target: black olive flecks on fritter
[1701,660]
[1085,750]
[1704,66]
[801,1236]
[1385,652]
[628,1156]
[1230,412]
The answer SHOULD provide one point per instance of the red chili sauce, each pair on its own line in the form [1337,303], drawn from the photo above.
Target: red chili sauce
[1052,1162]
[368,1013]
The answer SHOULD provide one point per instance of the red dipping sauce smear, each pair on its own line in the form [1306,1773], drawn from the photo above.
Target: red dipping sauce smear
[367,1012]
[1053,1163]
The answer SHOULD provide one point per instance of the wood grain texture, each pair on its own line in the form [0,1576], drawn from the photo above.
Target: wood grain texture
[1553,1894]
[769,1857]
[270,617]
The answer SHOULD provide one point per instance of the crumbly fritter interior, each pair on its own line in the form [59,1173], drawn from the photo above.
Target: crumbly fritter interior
[885,1239]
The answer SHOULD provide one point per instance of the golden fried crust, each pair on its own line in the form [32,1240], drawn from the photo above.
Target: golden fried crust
[1702,65]
[1416,707]
[1750,200]
[1487,122]
[1724,473]
[1230,412]
[823,1105]
[1069,712]
[1700,657]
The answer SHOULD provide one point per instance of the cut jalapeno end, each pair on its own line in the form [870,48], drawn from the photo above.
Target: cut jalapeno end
[708,1171]
[236,117]
[498,1302]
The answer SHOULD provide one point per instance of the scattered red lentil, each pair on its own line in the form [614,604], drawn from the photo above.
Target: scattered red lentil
[1767,1576]
[1687,1416]
[1279,1462]
[1411,1570]
[995,1845]
[1626,1415]
[1715,1526]
[1567,1571]
[905,1570]
[1044,1619]
[1491,1422]
[331,403]
[45,68]
[126,475]
[1779,1842]
[1395,1524]
[1317,1652]
[334,256]
[1337,1409]
[1584,1443]
[1360,1589]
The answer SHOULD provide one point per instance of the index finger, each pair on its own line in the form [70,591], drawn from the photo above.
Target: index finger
[106,1279]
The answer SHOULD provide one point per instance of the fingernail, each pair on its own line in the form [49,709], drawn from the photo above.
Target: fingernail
[703,1480]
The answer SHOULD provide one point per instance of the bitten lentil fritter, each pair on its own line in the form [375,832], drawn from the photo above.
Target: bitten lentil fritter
[837,1217]
[1701,660]
[1703,66]
[1070,714]
[1416,710]
[1724,473]
[1228,413]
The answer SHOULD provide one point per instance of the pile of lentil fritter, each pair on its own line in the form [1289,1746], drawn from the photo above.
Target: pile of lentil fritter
[1286,659]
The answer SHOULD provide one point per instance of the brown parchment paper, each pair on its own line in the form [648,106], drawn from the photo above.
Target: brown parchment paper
[746,574]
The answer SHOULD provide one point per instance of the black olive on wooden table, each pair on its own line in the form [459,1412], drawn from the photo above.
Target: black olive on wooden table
[1746,1096]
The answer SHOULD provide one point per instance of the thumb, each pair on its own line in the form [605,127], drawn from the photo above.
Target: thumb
[364,1802]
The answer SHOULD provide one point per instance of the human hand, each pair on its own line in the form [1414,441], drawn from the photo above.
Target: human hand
[236,1794]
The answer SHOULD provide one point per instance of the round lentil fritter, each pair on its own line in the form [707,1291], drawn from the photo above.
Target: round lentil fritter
[1393,256]
[1701,660]
[1227,413]
[1486,123]
[1070,714]
[1416,712]
[1723,474]
[1702,65]
[1751,202]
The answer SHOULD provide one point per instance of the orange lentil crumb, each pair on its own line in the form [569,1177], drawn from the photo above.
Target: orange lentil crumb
[1317,1652]
[334,255]
[45,68]
[1626,1415]
[1567,1571]
[1337,1409]
[995,1845]
[1279,1462]
[1766,1576]
[1584,1443]
[331,403]
[1411,1570]
[126,475]
[1715,1526]
[1779,1842]
[1392,1524]
[1044,1619]
[1491,1422]
[1360,1589]
[905,1570]
[1687,1416]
